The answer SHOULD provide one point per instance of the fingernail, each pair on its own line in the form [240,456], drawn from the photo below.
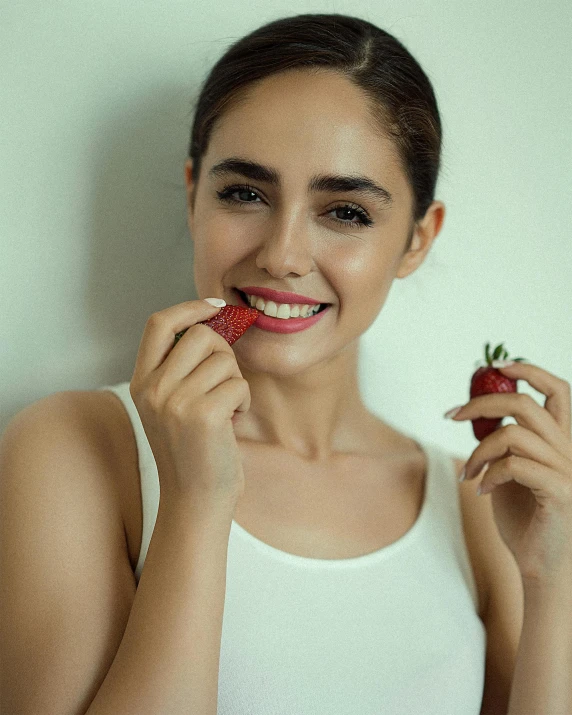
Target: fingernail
[502,363]
[217,302]
[453,412]
[463,474]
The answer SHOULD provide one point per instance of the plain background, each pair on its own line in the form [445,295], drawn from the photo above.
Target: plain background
[96,112]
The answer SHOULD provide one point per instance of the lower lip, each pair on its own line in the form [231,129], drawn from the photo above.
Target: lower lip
[281,325]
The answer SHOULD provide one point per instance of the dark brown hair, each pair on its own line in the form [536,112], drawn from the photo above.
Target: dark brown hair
[399,93]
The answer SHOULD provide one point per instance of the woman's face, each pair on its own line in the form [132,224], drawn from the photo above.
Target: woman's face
[338,246]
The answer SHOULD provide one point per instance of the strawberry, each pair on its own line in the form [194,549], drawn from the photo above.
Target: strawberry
[231,322]
[488,379]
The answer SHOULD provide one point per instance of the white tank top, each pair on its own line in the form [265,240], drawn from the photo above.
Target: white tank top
[392,632]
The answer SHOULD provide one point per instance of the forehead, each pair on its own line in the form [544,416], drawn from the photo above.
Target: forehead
[305,120]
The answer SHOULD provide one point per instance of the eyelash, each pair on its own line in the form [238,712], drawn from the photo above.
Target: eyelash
[364,219]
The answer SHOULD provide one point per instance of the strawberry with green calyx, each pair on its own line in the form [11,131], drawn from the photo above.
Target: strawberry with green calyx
[231,322]
[486,380]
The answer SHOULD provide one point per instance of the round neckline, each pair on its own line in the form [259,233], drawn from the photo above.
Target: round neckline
[363,559]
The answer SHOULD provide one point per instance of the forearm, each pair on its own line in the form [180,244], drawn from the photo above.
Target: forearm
[542,682]
[168,660]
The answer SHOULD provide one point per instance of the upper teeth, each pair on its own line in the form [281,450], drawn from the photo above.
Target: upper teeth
[282,310]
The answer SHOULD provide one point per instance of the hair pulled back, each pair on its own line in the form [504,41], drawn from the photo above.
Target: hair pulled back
[399,94]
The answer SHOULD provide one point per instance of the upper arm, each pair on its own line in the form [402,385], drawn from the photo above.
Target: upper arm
[504,605]
[66,585]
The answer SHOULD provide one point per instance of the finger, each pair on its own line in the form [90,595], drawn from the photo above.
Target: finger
[210,372]
[518,441]
[161,328]
[556,389]
[546,484]
[525,410]
[228,397]
[198,344]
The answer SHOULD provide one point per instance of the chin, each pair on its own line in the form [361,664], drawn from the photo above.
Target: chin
[272,359]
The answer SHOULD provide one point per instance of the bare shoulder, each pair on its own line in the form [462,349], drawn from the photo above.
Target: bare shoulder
[69,413]
[75,414]
[98,421]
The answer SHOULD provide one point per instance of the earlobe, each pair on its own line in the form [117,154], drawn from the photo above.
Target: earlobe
[410,261]
[410,258]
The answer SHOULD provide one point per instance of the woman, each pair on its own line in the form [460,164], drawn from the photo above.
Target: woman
[354,573]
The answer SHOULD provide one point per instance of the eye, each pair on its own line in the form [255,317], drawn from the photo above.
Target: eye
[228,191]
[226,195]
[364,219]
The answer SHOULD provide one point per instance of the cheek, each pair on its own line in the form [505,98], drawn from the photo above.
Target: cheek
[218,245]
[363,270]
[362,279]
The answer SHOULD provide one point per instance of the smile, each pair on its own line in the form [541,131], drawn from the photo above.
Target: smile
[283,311]
[283,317]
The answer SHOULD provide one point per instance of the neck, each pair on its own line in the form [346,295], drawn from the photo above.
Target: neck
[313,414]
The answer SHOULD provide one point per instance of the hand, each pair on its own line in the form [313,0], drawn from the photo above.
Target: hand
[530,471]
[187,395]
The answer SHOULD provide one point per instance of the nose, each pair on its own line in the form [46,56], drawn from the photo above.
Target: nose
[286,249]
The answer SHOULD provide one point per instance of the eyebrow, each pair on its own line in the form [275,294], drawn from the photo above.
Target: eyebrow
[335,183]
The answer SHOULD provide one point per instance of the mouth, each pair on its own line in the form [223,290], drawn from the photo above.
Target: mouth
[244,301]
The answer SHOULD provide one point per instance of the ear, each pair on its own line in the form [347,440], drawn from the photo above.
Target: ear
[191,188]
[424,233]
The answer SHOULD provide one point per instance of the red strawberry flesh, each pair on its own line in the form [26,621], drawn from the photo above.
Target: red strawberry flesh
[231,322]
[487,380]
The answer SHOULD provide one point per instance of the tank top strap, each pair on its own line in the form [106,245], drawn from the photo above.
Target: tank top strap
[148,473]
